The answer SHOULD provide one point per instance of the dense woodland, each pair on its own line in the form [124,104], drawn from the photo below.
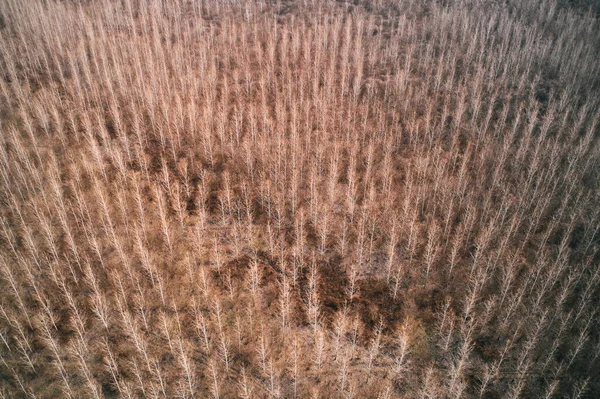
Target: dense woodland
[308,199]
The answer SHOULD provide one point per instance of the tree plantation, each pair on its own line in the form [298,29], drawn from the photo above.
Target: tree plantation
[299,199]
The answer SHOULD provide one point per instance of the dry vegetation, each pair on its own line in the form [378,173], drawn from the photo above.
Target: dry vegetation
[299,199]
